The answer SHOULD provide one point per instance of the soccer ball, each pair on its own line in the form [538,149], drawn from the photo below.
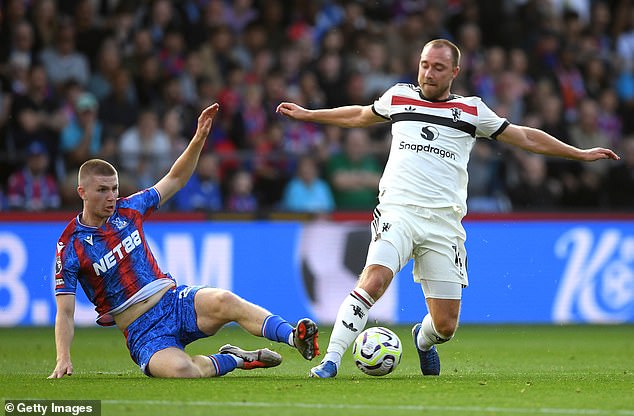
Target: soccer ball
[377,351]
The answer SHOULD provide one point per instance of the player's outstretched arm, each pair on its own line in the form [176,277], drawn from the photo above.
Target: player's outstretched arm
[184,166]
[538,141]
[64,332]
[347,116]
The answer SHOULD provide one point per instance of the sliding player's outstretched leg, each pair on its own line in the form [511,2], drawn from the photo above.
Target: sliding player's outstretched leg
[262,358]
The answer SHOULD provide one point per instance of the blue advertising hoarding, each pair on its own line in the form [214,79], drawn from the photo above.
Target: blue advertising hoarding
[536,271]
[546,272]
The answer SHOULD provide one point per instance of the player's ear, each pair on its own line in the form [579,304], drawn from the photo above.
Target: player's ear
[456,71]
[81,191]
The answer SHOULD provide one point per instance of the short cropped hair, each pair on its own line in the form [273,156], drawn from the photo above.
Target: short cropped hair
[444,43]
[95,167]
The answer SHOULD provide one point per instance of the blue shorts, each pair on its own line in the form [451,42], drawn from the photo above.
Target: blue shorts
[169,323]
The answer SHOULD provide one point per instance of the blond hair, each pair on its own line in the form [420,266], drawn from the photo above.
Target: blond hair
[95,167]
[444,43]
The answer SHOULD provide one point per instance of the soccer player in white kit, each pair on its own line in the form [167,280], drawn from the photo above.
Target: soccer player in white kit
[422,196]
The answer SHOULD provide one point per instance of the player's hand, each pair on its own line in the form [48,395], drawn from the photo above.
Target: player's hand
[292,110]
[61,369]
[598,153]
[205,119]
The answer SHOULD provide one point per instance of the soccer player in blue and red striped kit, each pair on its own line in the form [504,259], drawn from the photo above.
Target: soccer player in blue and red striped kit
[104,249]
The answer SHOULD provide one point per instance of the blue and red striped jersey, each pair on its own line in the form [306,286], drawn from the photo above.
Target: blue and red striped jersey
[112,262]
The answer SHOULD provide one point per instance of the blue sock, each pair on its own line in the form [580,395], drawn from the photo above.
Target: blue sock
[223,363]
[276,329]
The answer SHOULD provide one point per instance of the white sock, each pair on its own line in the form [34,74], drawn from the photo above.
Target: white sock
[351,319]
[428,336]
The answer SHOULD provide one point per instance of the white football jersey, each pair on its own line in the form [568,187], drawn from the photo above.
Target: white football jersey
[431,143]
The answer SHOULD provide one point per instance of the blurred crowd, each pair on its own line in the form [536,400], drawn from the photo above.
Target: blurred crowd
[126,80]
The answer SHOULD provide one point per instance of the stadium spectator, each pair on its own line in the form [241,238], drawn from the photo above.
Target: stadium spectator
[376,67]
[46,23]
[35,116]
[254,116]
[272,166]
[354,173]
[157,318]
[32,187]
[20,46]
[473,56]
[90,34]
[624,26]
[273,16]
[13,12]
[570,81]
[306,191]
[202,192]
[260,66]
[550,110]
[534,190]
[598,30]
[239,14]
[145,151]
[331,145]
[15,75]
[173,99]
[119,110]
[62,60]
[84,138]
[588,177]
[484,81]
[109,62]
[608,120]
[148,82]
[619,181]
[190,76]
[240,197]
[422,196]
[330,74]
[486,180]
[67,95]
[171,54]
[596,76]
[217,54]
[159,17]
[6,100]
[172,124]
[138,48]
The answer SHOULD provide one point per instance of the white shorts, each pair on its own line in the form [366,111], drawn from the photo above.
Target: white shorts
[441,290]
[433,237]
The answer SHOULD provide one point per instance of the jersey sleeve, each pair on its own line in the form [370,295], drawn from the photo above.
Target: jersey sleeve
[383,105]
[66,269]
[489,123]
[145,201]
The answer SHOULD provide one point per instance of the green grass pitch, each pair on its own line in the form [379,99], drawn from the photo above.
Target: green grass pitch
[486,370]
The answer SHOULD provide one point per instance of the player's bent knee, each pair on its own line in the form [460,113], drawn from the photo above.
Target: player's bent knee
[217,302]
[227,303]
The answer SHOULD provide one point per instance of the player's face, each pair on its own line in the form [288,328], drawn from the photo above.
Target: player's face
[436,72]
[100,195]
